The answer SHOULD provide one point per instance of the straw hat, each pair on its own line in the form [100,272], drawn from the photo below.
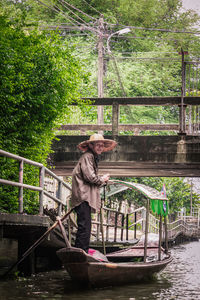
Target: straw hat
[108,144]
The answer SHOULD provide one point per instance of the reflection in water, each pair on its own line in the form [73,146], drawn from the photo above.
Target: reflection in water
[180,280]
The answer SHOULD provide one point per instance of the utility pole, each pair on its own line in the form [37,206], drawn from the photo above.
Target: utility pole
[100,119]
[182,107]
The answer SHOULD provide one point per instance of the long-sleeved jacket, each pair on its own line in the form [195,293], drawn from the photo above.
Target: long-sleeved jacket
[86,182]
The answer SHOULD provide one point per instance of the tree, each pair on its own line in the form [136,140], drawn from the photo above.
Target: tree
[39,78]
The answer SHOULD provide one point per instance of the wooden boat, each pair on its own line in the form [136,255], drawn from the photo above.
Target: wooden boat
[84,269]
[137,263]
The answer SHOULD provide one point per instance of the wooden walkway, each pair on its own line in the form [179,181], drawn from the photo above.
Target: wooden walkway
[130,227]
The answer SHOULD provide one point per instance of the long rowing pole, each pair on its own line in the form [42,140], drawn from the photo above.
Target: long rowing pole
[101,220]
[29,250]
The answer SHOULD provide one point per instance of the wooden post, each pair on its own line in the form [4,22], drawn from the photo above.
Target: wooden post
[146,231]
[28,266]
[102,230]
[160,238]
[59,197]
[127,217]
[122,228]
[21,172]
[107,226]
[166,235]
[41,197]
[191,191]
[98,227]
[1,233]
[115,229]
[69,230]
[135,226]
[115,118]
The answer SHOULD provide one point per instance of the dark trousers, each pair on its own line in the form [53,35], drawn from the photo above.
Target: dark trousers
[84,226]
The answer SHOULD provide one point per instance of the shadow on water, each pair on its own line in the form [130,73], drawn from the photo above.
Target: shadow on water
[180,281]
[133,291]
[57,285]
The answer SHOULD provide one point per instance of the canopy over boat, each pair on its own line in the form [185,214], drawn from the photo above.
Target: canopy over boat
[158,200]
[117,186]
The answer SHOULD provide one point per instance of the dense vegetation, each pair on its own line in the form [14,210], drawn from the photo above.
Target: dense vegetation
[42,71]
[39,78]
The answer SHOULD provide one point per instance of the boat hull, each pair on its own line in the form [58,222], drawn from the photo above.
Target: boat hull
[98,274]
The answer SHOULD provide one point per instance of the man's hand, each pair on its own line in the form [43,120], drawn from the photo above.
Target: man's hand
[106,177]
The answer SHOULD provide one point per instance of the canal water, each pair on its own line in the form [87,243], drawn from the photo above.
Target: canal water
[180,280]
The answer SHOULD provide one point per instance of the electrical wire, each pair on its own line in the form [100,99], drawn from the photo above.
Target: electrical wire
[72,12]
[56,9]
[68,16]
[79,10]
[82,25]
[155,29]
[168,59]
[138,52]
[92,7]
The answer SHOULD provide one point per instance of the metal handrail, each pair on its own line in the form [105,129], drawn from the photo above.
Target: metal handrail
[175,227]
[40,189]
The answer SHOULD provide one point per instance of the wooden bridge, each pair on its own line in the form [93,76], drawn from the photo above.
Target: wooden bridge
[174,155]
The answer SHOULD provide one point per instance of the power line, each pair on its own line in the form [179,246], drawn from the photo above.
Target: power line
[79,10]
[56,9]
[92,7]
[167,59]
[68,16]
[132,52]
[154,29]
[72,11]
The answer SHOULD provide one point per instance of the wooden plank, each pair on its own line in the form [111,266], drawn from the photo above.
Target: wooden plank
[121,127]
[143,100]
[115,118]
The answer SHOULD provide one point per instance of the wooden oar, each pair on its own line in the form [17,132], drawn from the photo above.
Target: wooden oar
[101,220]
[29,250]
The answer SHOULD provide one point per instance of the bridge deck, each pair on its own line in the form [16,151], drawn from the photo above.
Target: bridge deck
[142,156]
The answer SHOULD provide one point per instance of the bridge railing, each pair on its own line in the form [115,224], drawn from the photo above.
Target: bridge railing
[119,226]
[181,102]
[43,172]
[181,226]
[188,118]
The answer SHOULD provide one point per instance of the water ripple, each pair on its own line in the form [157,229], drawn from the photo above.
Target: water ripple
[179,281]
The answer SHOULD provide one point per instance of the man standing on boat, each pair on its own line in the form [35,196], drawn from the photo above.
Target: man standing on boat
[85,186]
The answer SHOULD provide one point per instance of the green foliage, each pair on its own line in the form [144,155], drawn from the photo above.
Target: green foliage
[39,79]
[178,193]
